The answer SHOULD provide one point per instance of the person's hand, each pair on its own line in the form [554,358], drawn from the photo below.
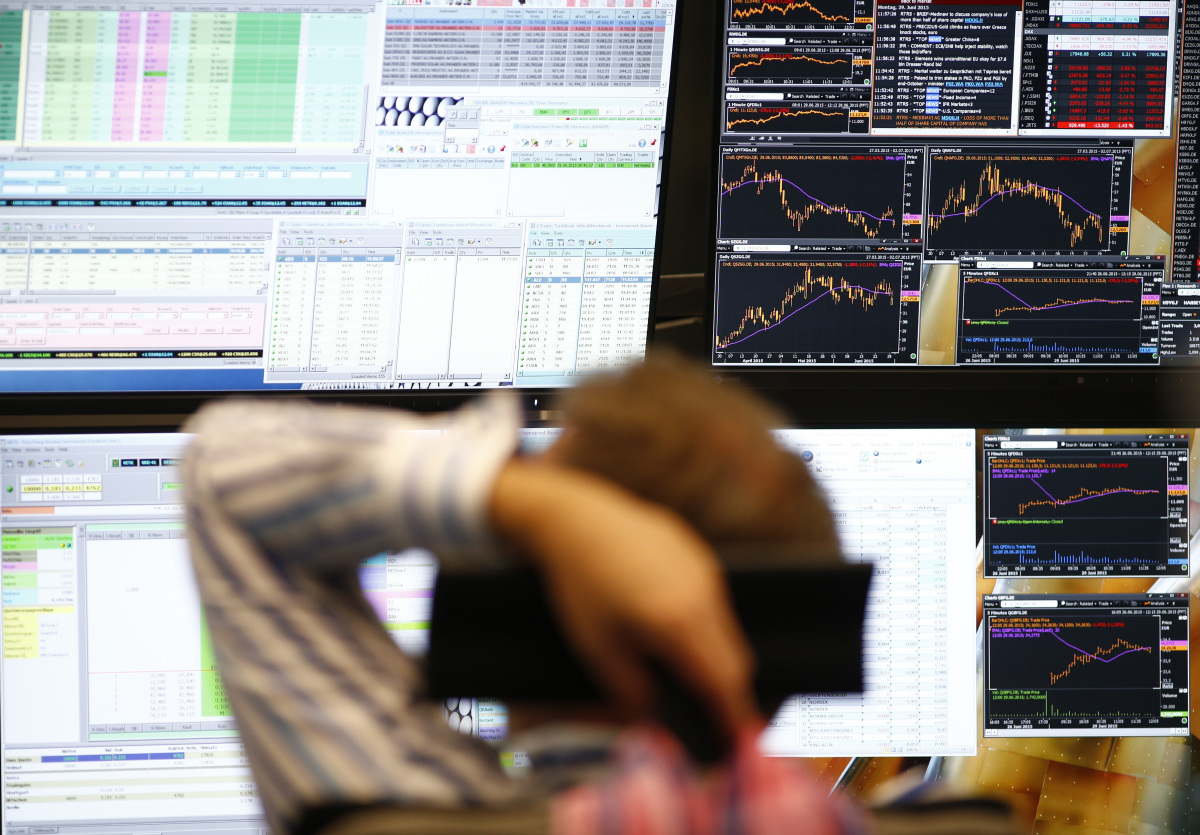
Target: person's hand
[629,581]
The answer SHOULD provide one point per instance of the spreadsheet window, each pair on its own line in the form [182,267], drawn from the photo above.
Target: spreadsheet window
[108,723]
[114,728]
[904,501]
[374,115]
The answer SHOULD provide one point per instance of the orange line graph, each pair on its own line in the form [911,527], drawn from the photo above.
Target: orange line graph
[1084,493]
[870,226]
[781,114]
[783,8]
[758,319]
[992,185]
[1080,659]
[768,57]
[1058,303]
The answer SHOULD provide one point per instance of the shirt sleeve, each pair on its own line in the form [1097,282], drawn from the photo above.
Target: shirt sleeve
[283,502]
[320,488]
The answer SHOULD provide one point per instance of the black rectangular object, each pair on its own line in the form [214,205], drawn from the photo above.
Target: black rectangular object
[494,635]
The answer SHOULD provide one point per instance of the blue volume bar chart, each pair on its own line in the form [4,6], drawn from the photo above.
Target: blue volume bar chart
[1087,506]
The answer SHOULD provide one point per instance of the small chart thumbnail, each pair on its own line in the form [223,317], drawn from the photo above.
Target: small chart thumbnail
[822,13]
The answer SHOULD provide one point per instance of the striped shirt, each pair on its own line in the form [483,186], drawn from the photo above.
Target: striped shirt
[284,501]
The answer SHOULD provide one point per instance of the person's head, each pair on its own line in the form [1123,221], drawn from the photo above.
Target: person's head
[668,433]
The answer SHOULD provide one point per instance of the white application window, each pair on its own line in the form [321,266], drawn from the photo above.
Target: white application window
[904,501]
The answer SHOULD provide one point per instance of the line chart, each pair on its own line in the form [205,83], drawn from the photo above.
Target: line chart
[1058,303]
[790,118]
[992,186]
[789,196]
[809,306]
[1004,202]
[1065,652]
[1082,495]
[764,64]
[1079,487]
[792,11]
[1029,314]
[1061,514]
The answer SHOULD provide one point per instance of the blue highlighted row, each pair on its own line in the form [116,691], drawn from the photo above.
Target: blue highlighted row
[100,758]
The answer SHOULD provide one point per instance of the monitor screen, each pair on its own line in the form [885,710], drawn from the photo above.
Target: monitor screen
[383,194]
[111,728]
[902,500]
[1086,506]
[1086,665]
[905,184]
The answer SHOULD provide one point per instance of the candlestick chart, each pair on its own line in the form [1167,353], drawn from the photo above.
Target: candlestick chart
[1029,204]
[1086,662]
[828,12]
[1111,651]
[1078,487]
[812,196]
[1055,310]
[787,117]
[1052,299]
[809,306]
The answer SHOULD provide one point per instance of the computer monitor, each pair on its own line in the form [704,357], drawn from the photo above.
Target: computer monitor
[381,194]
[914,184]
[111,728]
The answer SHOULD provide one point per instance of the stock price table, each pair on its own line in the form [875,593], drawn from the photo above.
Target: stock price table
[1086,665]
[1086,506]
[1097,311]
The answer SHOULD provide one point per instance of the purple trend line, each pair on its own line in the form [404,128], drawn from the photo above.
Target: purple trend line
[1097,657]
[1010,191]
[813,199]
[798,309]
[1085,498]
[1053,306]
